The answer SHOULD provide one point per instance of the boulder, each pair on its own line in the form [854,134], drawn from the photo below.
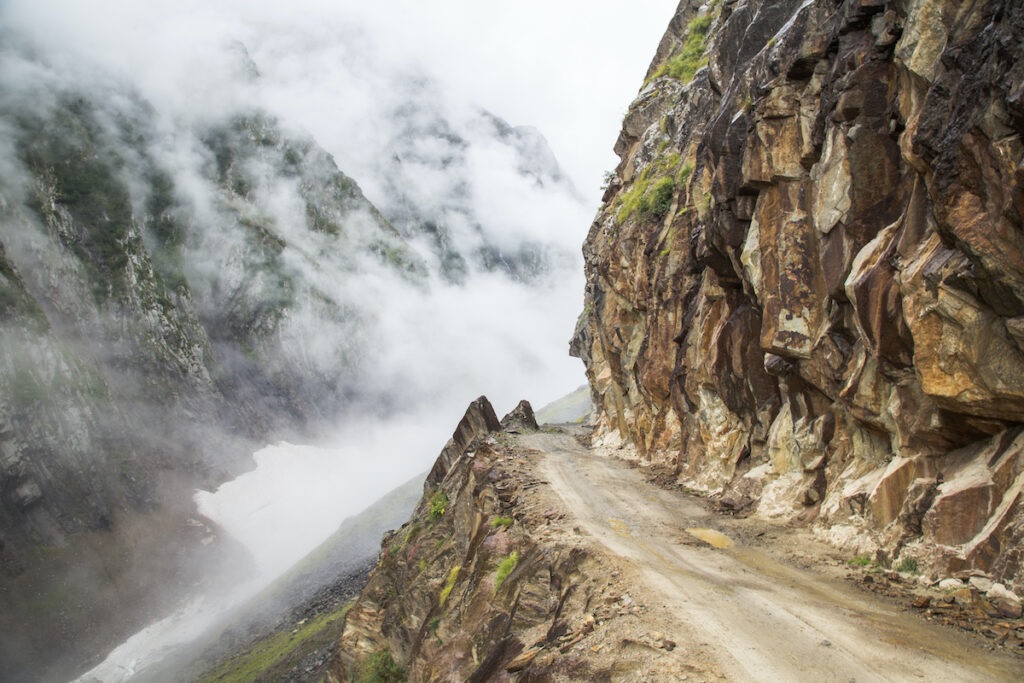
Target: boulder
[1004,600]
[521,419]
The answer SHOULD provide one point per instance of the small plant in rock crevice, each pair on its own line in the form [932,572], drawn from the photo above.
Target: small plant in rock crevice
[438,505]
[449,584]
[908,565]
[860,561]
[505,568]
[380,667]
[501,522]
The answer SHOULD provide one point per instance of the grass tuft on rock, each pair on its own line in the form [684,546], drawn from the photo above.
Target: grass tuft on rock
[438,505]
[691,58]
[505,568]
[449,584]
[501,522]
[380,667]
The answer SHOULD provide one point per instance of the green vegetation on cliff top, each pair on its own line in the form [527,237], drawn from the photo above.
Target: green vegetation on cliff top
[691,58]
[651,194]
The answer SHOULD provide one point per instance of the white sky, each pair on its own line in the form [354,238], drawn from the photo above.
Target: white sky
[569,68]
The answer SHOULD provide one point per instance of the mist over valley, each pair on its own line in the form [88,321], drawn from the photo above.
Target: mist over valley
[223,228]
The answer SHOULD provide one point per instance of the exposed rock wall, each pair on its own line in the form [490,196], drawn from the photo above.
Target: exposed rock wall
[805,288]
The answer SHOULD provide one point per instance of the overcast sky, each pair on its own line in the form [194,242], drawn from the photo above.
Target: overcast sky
[569,68]
[339,69]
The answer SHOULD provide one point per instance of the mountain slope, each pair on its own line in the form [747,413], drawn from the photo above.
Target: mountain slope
[150,325]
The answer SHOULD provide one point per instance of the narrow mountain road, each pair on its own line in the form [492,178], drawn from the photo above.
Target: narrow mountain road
[760,619]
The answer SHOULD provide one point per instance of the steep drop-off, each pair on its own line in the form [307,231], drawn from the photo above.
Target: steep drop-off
[176,290]
[805,288]
[147,347]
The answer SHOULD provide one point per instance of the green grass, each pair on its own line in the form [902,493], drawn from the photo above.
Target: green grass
[691,58]
[449,584]
[860,561]
[503,522]
[908,565]
[273,650]
[380,667]
[684,173]
[651,194]
[505,568]
[658,201]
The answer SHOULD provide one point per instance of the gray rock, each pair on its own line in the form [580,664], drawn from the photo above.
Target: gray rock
[981,583]
[521,419]
[1004,600]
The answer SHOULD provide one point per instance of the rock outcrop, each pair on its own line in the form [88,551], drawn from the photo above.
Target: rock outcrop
[465,590]
[805,287]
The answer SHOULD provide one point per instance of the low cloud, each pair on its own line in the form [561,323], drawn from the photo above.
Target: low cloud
[403,96]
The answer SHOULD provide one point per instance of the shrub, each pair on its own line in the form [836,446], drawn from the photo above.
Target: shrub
[658,201]
[505,568]
[380,667]
[438,505]
[860,561]
[908,565]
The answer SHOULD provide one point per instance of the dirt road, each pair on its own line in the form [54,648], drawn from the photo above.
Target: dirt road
[758,618]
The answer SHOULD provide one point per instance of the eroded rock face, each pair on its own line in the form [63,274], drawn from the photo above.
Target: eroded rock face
[806,284]
[478,595]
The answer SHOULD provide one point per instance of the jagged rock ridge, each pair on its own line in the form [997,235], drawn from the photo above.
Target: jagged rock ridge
[805,285]
[469,588]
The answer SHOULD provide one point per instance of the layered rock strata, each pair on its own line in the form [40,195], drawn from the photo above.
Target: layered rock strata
[805,287]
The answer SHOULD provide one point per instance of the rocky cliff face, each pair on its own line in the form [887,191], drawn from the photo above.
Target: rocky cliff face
[805,286]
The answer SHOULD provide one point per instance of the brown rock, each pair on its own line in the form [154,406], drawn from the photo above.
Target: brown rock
[847,243]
